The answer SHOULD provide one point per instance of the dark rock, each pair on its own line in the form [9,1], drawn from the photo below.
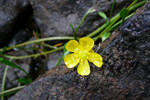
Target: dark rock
[51,17]
[20,37]
[53,58]
[33,66]
[14,15]
[13,74]
[37,67]
[54,17]
[58,15]
[124,75]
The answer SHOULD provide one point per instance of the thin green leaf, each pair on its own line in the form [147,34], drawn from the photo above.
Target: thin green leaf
[8,93]
[91,10]
[4,80]
[24,80]
[103,15]
[1,59]
[113,27]
[112,8]
[11,64]
[3,49]
[135,1]
[37,34]
[124,13]
[105,36]
[65,52]
[12,90]
[64,49]
[72,27]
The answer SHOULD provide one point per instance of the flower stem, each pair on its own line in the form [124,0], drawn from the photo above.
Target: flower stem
[114,18]
[11,90]
[33,55]
[119,22]
[86,14]
[114,21]
[3,82]
[137,5]
[38,40]
[112,10]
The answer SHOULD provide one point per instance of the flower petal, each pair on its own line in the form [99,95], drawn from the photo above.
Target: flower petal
[71,60]
[87,43]
[73,46]
[96,59]
[83,68]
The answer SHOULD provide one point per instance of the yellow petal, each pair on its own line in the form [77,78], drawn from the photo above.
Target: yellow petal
[83,68]
[71,60]
[87,43]
[73,46]
[96,59]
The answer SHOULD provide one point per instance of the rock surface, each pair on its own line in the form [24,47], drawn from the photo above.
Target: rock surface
[53,58]
[13,74]
[58,15]
[124,76]
[51,17]
[34,67]
[14,15]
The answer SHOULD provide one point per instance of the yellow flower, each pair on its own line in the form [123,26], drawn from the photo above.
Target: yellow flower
[82,54]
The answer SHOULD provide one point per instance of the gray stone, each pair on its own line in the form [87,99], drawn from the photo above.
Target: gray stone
[53,58]
[52,17]
[14,15]
[13,74]
[123,76]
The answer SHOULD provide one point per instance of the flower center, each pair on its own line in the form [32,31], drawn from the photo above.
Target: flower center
[83,54]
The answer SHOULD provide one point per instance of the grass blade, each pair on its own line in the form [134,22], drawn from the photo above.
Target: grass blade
[11,64]
[65,52]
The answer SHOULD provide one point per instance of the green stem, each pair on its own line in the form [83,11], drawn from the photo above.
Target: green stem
[79,27]
[118,23]
[102,27]
[33,55]
[97,31]
[31,48]
[39,40]
[113,19]
[86,14]
[116,19]
[3,82]
[132,4]
[137,5]
[46,45]
[11,90]
[49,46]
[112,10]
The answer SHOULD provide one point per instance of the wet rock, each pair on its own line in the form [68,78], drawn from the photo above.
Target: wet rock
[33,66]
[13,74]
[124,75]
[58,15]
[14,15]
[20,37]
[37,67]
[53,58]
[51,17]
